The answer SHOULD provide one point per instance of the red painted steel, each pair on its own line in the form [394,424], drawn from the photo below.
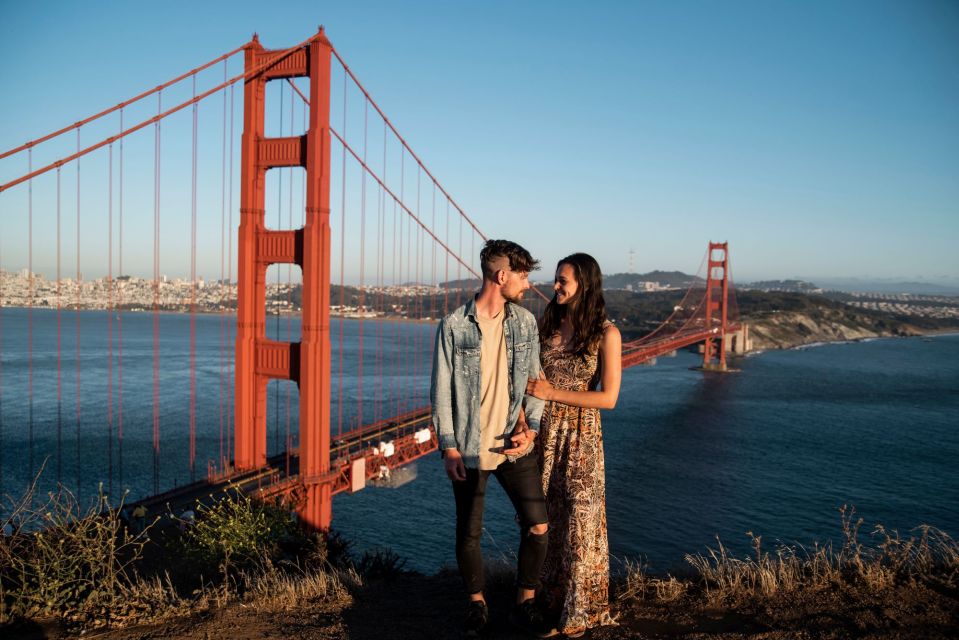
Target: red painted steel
[318,468]
[246,75]
[257,359]
[119,106]
[708,322]
[715,333]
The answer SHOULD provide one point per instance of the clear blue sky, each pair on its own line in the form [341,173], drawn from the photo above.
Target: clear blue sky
[819,138]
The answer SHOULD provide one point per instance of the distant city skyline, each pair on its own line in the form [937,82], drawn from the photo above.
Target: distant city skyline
[820,139]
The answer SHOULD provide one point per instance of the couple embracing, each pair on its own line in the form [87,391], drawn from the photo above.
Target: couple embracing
[498,409]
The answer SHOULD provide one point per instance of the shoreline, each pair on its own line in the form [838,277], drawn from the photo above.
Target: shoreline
[208,312]
[822,343]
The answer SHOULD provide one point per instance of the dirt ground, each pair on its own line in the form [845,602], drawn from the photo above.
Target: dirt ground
[411,606]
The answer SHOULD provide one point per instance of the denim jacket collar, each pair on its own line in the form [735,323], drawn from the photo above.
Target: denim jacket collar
[470,311]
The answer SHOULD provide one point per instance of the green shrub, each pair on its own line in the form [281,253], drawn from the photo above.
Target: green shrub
[235,531]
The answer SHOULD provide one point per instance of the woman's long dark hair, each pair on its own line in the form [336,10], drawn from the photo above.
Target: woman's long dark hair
[586,310]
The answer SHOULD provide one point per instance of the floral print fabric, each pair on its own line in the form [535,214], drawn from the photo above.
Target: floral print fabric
[570,446]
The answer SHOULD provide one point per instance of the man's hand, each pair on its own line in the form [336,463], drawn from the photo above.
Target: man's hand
[453,462]
[522,439]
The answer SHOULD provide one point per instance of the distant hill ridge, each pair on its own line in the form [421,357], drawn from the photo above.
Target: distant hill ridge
[674,279]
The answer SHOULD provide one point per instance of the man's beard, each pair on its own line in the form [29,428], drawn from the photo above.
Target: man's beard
[515,298]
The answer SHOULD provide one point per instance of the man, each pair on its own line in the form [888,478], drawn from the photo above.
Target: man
[485,352]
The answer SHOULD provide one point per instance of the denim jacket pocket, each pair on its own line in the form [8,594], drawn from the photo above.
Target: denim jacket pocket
[467,361]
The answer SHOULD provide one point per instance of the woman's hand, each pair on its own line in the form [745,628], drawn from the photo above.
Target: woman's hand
[540,387]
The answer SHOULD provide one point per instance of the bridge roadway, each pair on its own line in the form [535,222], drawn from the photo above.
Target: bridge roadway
[647,348]
[362,455]
[371,452]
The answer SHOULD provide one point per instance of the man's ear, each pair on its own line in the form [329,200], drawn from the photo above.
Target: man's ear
[500,276]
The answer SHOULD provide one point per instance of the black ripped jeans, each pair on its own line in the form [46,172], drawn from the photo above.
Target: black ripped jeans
[523,485]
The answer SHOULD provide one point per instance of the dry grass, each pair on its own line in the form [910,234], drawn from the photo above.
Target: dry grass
[287,589]
[64,559]
[928,555]
[83,566]
[638,584]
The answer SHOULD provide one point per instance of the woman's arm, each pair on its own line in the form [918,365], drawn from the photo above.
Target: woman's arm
[611,361]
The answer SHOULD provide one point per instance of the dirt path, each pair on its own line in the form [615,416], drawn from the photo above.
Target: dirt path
[418,607]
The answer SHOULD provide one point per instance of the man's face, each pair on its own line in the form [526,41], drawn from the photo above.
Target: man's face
[516,284]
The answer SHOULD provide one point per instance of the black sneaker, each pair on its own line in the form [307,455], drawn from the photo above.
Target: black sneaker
[529,618]
[477,617]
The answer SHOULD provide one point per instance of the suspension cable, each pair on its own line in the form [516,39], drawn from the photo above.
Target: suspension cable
[119,106]
[243,76]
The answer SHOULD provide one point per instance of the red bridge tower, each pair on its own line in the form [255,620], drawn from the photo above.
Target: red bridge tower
[258,360]
[717,299]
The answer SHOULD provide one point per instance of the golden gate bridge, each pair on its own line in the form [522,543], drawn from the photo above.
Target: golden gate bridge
[370,218]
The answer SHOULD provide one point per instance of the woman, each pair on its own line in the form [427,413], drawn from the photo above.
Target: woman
[581,354]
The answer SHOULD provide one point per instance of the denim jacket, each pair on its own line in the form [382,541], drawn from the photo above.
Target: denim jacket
[455,388]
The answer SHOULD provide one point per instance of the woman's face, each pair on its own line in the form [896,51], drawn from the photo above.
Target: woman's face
[565,284]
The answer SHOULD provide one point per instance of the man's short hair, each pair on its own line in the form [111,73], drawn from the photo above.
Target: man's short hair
[519,258]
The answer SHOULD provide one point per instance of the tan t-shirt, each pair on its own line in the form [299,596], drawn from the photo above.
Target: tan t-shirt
[494,390]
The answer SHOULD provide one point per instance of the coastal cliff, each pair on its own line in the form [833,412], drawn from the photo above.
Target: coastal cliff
[788,329]
[780,320]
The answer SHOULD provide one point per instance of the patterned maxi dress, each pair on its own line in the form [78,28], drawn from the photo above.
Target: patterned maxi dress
[570,446]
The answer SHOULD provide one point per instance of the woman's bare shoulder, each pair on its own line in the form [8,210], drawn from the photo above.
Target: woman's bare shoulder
[611,337]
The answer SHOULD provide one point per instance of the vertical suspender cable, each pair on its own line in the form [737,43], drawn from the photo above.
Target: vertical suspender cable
[380,278]
[110,308]
[156,298]
[30,309]
[193,298]
[79,287]
[229,267]
[362,297]
[59,355]
[221,460]
[417,300]
[120,318]
[396,324]
[339,382]
[406,305]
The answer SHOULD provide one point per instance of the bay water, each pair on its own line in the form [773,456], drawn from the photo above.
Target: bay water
[774,449]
